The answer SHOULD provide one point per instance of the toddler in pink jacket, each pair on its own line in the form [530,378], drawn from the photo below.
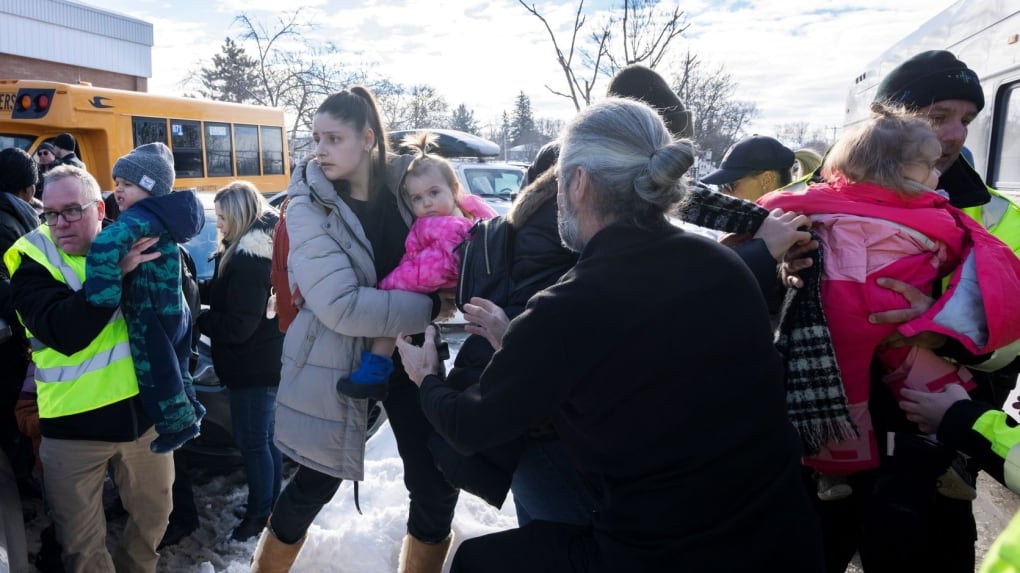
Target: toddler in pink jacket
[444,215]
[879,216]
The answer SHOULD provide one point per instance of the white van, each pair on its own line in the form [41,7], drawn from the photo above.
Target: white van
[985,35]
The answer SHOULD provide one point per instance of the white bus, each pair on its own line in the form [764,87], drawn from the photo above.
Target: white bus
[984,34]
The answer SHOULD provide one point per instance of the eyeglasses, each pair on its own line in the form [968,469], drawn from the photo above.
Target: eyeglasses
[726,188]
[71,214]
[42,152]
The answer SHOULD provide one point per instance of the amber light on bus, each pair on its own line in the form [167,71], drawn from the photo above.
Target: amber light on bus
[32,103]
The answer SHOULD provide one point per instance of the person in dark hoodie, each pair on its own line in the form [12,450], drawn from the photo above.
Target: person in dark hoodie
[17,218]
[90,415]
[152,299]
[247,344]
[627,353]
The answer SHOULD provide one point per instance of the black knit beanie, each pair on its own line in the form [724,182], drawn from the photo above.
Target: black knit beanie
[641,83]
[928,77]
[65,141]
[17,170]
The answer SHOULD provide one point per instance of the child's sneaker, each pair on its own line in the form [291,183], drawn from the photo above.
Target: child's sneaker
[832,488]
[370,380]
[957,482]
[166,443]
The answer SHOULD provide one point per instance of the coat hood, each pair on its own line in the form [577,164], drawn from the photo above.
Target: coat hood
[21,211]
[180,214]
[258,241]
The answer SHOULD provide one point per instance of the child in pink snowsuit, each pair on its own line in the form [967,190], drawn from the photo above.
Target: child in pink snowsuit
[444,215]
[879,217]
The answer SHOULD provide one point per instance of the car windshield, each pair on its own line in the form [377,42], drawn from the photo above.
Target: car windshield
[488,181]
[203,246]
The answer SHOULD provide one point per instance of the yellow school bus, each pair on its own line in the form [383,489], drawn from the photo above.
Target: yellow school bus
[213,142]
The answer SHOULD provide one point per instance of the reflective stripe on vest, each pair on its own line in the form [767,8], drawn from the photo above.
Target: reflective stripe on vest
[1011,469]
[98,375]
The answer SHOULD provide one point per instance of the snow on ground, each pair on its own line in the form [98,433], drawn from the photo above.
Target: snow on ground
[339,540]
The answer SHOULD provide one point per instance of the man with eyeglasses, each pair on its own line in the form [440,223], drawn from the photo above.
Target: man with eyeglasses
[752,167]
[89,411]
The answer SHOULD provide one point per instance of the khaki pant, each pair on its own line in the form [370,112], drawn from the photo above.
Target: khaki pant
[74,471]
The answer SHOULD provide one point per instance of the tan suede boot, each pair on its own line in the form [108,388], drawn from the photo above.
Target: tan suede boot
[273,555]
[419,557]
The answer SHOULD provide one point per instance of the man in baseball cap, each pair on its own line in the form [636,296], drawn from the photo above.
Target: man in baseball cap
[752,167]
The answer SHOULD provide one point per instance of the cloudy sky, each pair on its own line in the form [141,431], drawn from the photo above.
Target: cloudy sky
[794,58]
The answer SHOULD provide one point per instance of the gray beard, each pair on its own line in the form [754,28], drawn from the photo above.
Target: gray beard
[566,223]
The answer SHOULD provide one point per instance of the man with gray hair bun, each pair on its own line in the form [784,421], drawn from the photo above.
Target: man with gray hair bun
[631,355]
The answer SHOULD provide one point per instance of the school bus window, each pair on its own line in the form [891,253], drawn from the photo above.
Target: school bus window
[148,130]
[217,149]
[272,150]
[1006,171]
[187,146]
[246,140]
[13,140]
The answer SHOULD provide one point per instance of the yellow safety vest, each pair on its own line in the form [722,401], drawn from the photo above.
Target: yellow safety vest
[98,375]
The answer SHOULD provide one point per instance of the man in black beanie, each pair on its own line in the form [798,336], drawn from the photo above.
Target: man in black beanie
[64,146]
[895,518]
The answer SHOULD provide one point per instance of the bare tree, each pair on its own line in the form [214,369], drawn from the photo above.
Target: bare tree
[639,31]
[719,119]
[793,133]
[411,108]
[293,71]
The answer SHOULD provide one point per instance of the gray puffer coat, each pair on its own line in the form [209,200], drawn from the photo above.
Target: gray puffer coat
[331,261]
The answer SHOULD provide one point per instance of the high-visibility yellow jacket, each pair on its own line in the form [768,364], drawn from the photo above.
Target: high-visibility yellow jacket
[100,374]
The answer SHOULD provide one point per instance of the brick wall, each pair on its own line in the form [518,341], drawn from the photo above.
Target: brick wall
[19,68]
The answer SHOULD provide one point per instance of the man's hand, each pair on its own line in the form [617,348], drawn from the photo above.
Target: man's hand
[926,409]
[487,320]
[794,261]
[421,361]
[780,231]
[136,255]
[919,304]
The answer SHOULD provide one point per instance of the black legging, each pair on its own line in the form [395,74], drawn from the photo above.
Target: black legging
[432,499]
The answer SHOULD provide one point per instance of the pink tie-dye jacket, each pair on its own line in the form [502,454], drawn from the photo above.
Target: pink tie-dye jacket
[430,260]
[868,232]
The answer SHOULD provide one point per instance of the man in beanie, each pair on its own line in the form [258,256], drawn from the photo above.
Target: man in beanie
[159,322]
[17,218]
[644,84]
[90,415]
[64,147]
[895,516]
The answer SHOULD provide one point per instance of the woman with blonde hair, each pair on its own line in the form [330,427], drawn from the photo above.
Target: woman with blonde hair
[246,342]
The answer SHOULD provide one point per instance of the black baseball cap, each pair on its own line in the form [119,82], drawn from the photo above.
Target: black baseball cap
[750,155]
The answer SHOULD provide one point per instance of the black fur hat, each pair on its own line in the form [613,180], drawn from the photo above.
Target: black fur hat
[928,77]
[644,84]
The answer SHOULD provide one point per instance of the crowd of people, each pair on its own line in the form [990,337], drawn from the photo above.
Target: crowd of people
[804,363]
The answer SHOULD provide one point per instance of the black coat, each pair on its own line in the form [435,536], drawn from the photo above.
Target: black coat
[246,345]
[633,353]
[17,218]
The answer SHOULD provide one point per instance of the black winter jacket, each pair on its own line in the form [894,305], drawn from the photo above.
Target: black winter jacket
[246,346]
[687,450]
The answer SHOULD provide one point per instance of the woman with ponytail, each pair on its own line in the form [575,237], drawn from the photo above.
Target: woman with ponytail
[347,223]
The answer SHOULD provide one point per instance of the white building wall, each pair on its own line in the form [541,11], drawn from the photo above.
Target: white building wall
[76,34]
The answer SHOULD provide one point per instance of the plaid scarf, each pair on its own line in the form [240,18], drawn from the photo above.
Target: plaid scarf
[815,400]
